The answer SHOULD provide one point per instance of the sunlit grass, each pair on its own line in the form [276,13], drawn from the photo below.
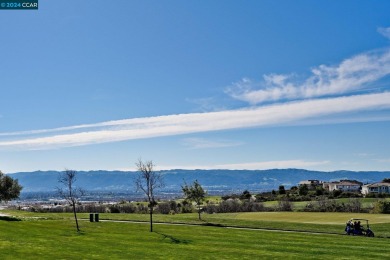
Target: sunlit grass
[57,239]
[299,221]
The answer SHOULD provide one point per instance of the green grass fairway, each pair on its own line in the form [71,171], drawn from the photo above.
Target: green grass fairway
[57,239]
[299,221]
[312,217]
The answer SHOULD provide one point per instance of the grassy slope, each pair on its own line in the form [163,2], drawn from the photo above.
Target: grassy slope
[301,221]
[57,239]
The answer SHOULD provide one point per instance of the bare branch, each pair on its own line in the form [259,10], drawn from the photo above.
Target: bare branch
[69,192]
[148,181]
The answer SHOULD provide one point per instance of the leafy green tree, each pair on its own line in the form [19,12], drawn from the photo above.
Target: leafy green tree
[293,189]
[303,190]
[148,181]
[9,188]
[194,193]
[320,191]
[282,190]
[246,195]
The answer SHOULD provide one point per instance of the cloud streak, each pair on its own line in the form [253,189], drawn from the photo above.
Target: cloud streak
[353,74]
[384,31]
[148,127]
[315,99]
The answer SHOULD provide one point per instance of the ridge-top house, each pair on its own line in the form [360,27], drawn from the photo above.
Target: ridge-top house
[343,185]
[378,187]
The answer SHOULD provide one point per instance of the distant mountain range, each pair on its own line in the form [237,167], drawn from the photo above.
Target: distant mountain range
[215,181]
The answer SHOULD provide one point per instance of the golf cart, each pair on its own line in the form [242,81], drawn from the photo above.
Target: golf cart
[356,228]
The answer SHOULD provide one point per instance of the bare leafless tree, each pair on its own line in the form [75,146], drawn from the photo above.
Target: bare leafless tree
[69,191]
[148,181]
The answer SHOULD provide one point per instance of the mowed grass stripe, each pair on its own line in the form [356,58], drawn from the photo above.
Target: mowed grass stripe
[299,221]
[48,239]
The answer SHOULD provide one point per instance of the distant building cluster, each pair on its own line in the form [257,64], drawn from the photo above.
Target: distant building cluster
[349,186]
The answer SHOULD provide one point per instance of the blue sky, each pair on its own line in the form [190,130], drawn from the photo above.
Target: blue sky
[196,85]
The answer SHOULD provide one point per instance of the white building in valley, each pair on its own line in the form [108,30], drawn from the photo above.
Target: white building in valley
[377,188]
[343,185]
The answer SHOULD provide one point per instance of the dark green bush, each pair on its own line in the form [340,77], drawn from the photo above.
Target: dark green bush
[381,207]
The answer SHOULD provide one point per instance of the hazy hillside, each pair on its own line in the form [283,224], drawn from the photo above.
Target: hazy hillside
[212,180]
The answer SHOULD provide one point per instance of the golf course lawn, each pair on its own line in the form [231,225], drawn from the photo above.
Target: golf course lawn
[299,221]
[49,239]
[313,217]
[55,237]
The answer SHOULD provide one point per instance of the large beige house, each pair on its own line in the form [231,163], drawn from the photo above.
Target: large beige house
[343,185]
[378,187]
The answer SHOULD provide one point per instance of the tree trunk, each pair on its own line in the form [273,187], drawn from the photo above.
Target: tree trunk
[199,212]
[151,218]
[75,217]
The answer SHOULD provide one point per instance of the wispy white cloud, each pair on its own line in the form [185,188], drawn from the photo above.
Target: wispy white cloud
[63,129]
[385,31]
[383,160]
[352,74]
[202,143]
[342,119]
[250,165]
[158,126]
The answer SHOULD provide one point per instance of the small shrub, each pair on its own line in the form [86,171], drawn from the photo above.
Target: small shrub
[382,207]
[354,205]
[336,193]
[284,205]
[187,207]
[164,208]
[114,209]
